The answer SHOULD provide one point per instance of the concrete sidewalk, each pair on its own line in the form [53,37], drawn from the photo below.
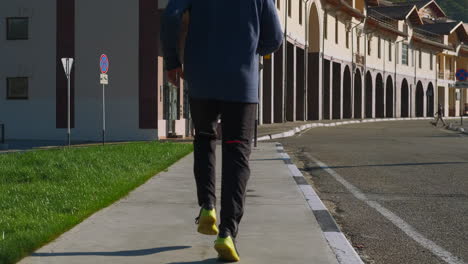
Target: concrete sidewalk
[155,223]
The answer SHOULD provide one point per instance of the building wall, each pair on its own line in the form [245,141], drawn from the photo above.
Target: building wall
[33,58]
[116,34]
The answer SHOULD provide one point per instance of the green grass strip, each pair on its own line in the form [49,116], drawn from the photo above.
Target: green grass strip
[46,192]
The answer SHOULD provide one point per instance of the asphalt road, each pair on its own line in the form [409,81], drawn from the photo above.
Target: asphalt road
[398,190]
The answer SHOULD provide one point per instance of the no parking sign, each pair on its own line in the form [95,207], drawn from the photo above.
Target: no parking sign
[104,65]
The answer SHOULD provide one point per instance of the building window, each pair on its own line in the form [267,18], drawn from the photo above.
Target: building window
[347,39]
[431,61]
[278,4]
[17,88]
[420,58]
[404,54]
[289,8]
[17,28]
[389,50]
[325,25]
[379,48]
[336,29]
[300,12]
[369,46]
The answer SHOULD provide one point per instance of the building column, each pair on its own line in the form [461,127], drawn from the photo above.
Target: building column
[260,94]
[278,86]
[330,91]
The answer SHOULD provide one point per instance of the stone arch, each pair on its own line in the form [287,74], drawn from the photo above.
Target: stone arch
[368,95]
[357,94]
[389,97]
[379,96]
[313,65]
[404,98]
[314,29]
[419,100]
[347,100]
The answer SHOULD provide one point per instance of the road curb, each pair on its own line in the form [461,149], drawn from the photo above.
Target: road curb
[336,239]
[299,129]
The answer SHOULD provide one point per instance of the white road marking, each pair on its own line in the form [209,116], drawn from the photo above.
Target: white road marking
[395,219]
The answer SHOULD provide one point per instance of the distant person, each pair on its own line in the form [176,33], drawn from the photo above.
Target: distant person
[440,114]
[221,61]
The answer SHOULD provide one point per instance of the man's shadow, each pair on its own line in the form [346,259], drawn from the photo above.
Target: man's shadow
[123,253]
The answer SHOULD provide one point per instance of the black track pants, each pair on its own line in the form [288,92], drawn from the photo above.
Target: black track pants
[237,122]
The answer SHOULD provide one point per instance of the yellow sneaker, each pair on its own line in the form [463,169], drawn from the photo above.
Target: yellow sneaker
[226,249]
[207,222]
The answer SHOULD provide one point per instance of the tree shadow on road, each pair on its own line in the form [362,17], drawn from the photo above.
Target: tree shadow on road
[123,253]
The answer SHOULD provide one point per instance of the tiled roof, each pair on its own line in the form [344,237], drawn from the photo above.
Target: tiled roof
[396,12]
[439,28]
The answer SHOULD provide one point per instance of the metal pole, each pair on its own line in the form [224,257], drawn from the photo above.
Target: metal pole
[69,132]
[103,115]
[462,106]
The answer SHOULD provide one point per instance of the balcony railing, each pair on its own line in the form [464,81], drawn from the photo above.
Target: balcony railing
[359,59]
[450,75]
[421,33]
[383,19]
[447,75]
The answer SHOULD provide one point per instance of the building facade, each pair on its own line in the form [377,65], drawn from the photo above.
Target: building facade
[364,59]
[341,59]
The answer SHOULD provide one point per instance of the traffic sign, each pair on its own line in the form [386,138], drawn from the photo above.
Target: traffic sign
[67,65]
[462,75]
[104,78]
[104,63]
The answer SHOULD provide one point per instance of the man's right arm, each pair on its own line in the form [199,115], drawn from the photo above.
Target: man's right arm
[271,34]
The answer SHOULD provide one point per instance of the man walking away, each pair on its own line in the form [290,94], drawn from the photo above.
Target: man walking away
[221,60]
[440,114]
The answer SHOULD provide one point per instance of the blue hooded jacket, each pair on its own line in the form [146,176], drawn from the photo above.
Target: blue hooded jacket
[223,44]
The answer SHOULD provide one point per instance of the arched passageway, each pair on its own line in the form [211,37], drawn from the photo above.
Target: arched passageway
[419,100]
[404,99]
[336,96]
[326,90]
[389,97]
[379,97]
[313,65]
[300,88]
[368,95]
[357,94]
[290,93]
[347,100]
[430,100]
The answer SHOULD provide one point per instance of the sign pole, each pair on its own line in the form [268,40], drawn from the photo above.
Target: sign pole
[103,115]
[104,65]
[68,119]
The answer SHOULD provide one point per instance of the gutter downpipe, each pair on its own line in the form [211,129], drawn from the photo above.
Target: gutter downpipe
[354,66]
[285,47]
[395,76]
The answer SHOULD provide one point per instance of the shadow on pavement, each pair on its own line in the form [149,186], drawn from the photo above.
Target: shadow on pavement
[206,261]
[124,253]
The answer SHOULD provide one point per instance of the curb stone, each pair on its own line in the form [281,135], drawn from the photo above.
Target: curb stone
[301,128]
[344,251]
